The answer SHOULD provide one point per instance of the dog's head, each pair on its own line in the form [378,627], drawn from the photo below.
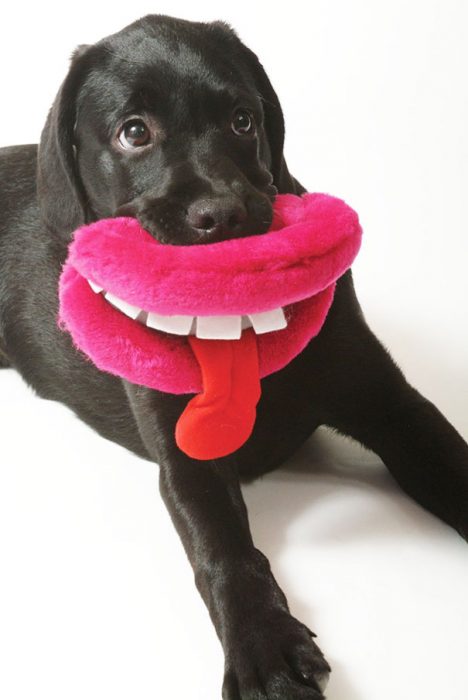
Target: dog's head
[173,122]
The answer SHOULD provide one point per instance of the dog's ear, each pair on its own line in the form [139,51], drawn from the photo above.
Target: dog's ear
[61,195]
[274,126]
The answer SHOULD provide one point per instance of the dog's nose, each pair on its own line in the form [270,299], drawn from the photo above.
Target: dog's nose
[216,217]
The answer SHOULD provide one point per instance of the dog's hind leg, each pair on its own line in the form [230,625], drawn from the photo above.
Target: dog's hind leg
[4,361]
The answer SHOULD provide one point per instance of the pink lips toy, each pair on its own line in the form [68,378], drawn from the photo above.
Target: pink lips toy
[165,316]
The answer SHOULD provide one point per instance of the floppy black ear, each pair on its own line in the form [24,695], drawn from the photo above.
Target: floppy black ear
[274,126]
[61,195]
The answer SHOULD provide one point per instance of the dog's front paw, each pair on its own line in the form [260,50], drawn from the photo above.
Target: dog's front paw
[463,528]
[274,659]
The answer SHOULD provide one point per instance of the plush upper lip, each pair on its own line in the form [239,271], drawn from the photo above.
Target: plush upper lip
[222,327]
[238,277]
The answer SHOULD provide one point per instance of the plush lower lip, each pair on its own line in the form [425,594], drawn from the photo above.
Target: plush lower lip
[163,361]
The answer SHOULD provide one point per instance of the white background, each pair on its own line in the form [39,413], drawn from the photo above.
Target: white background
[96,597]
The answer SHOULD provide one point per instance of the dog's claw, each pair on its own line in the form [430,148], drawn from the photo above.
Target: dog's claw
[322,680]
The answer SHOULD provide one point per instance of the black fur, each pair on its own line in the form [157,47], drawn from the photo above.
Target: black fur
[188,77]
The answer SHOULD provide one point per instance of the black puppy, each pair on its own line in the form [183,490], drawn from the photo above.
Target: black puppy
[177,124]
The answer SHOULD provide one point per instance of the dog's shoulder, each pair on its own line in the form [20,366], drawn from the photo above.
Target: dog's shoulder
[18,165]
[18,162]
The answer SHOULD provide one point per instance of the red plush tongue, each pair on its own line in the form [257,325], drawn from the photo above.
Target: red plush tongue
[220,419]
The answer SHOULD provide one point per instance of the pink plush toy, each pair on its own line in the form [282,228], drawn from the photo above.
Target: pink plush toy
[207,319]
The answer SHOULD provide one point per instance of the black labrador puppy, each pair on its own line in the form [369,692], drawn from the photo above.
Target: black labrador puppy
[176,123]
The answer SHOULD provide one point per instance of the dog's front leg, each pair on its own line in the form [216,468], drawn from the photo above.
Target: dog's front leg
[424,453]
[269,653]
[365,395]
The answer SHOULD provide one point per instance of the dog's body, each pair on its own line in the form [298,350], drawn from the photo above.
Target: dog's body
[344,378]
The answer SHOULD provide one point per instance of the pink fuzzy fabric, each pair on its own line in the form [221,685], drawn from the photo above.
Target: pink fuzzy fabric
[312,242]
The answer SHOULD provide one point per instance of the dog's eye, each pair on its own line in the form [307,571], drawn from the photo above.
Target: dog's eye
[134,134]
[242,122]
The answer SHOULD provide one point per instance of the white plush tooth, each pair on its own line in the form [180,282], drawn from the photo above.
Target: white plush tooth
[95,287]
[267,321]
[219,327]
[124,306]
[180,325]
